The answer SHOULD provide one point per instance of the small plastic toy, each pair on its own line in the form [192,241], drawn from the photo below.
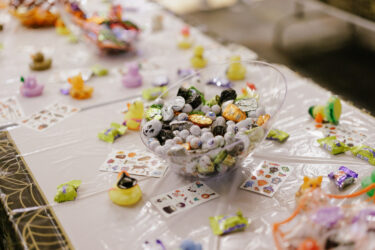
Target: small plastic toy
[236,71]
[190,245]
[40,63]
[79,90]
[331,112]
[152,93]
[227,224]
[133,117]
[30,87]
[132,79]
[115,131]
[333,145]
[126,191]
[365,153]
[99,70]
[309,183]
[185,42]
[198,61]
[157,23]
[67,191]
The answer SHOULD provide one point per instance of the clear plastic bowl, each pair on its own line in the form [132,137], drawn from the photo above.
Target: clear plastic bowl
[272,88]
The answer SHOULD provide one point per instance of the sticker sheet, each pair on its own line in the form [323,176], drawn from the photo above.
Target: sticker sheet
[49,116]
[267,178]
[10,110]
[137,162]
[181,199]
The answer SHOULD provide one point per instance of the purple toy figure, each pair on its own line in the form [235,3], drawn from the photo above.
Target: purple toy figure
[30,87]
[132,79]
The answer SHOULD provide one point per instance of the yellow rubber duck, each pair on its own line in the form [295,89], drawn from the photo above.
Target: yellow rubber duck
[126,191]
[236,71]
[133,117]
[198,61]
[79,90]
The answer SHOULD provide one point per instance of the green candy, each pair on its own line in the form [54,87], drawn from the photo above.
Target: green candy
[333,145]
[67,191]
[152,93]
[277,135]
[153,113]
[214,100]
[229,223]
[99,70]
[365,153]
[367,181]
[115,131]
[220,157]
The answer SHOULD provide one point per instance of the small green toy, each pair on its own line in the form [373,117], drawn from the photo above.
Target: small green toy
[198,61]
[367,181]
[333,145]
[277,135]
[331,112]
[99,70]
[152,93]
[227,224]
[365,153]
[236,71]
[115,131]
[67,191]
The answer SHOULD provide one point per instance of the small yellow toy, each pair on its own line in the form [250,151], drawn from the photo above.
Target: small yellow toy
[236,71]
[61,29]
[126,191]
[198,61]
[133,117]
[331,112]
[309,183]
[39,62]
[79,90]
[185,42]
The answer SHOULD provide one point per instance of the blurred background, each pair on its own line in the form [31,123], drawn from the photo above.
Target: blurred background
[330,41]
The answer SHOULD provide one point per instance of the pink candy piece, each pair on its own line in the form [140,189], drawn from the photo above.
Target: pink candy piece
[132,79]
[30,87]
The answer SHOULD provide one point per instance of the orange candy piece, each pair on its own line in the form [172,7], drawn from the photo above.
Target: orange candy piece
[319,118]
[233,113]
[263,119]
[309,244]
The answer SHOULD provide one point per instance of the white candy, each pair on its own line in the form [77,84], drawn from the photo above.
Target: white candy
[211,115]
[206,136]
[220,119]
[252,114]
[244,124]
[152,128]
[230,123]
[187,108]
[195,130]
[176,133]
[211,143]
[154,144]
[167,113]
[205,130]
[220,140]
[189,138]
[178,103]
[169,142]
[205,109]
[184,133]
[177,140]
[159,101]
[216,109]
[229,138]
[182,117]
[225,104]
[159,149]
[195,143]
[242,130]
[231,129]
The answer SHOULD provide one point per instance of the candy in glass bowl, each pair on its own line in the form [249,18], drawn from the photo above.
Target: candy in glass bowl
[204,129]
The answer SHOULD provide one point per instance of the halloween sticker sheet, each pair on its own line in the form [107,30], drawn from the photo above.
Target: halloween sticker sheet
[10,110]
[267,178]
[183,198]
[137,162]
[49,116]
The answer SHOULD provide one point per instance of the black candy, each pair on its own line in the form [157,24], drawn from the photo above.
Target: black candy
[184,92]
[164,135]
[226,95]
[219,127]
[194,99]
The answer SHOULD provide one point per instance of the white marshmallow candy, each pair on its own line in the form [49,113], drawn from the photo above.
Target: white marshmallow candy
[182,117]
[187,108]
[205,109]
[206,136]
[178,140]
[184,133]
[220,140]
[195,143]
[195,130]
[216,109]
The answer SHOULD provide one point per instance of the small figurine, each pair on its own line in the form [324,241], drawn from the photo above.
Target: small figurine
[185,42]
[30,87]
[67,191]
[40,63]
[115,131]
[133,117]
[331,112]
[309,183]
[126,191]
[79,90]
[157,23]
[99,70]
[61,29]
[132,79]
[236,71]
[198,61]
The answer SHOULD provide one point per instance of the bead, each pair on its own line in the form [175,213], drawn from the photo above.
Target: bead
[195,130]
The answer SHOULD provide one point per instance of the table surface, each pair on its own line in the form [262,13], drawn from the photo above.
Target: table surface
[70,150]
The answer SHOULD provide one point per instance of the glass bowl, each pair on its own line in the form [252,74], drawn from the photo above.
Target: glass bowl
[214,155]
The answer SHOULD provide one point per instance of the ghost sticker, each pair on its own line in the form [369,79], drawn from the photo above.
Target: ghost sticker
[249,184]
[273,170]
[169,209]
[276,180]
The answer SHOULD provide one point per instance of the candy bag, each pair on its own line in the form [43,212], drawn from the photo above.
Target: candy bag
[333,145]
[229,223]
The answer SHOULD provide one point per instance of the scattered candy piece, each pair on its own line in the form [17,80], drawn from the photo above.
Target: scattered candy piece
[132,79]
[227,224]
[365,153]
[160,81]
[30,87]
[182,73]
[236,70]
[331,112]
[220,82]
[67,191]
[133,117]
[126,191]
[40,63]
[263,119]
[367,181]
[190,245]
[150,94]
[79,90]
[343,177]
[200,120]
[99,70]
[198,61]
[277,135]
[233,113]
[309,183]
[333,145]
[185,42]
[115,131]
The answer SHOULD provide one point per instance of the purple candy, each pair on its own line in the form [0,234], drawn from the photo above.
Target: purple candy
[182,73]
[343,177]
[327,216]
[220,82]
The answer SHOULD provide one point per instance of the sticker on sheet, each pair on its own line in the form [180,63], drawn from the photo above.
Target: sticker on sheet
[10,110]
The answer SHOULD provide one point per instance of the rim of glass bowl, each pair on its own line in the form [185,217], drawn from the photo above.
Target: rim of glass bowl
[197,73]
